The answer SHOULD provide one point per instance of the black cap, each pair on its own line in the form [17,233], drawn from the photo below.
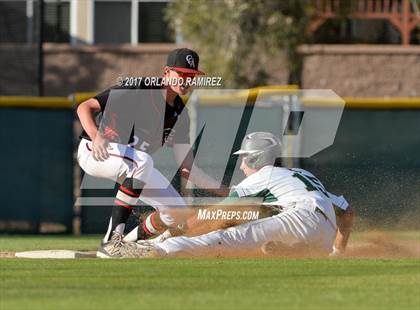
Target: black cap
[184,60]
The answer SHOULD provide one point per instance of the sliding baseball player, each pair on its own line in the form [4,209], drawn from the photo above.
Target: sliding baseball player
[306,211]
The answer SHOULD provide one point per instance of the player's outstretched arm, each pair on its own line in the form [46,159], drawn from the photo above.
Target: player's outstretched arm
[85,112]
[185,160]
[344,227]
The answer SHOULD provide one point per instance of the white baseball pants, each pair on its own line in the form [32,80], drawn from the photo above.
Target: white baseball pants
[294,226]
[127,162]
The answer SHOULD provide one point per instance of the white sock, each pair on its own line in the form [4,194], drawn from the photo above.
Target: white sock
[108,232]
[120,228]
[132,235]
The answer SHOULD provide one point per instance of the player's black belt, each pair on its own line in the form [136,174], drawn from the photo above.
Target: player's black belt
[317,209]
[280,209]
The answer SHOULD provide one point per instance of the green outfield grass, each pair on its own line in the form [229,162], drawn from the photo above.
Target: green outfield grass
[201,283]
[18,243]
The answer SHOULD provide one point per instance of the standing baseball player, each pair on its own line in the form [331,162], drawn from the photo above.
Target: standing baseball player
[306,215]
[123,126]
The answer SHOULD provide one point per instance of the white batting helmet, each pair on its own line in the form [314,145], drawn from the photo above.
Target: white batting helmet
[260,149]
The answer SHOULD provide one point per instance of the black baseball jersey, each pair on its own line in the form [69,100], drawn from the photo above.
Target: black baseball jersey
[139,116]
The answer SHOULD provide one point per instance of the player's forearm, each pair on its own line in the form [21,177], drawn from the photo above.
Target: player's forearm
[85,113]
[185,158]
[344,225]
[203,180]
[341,240]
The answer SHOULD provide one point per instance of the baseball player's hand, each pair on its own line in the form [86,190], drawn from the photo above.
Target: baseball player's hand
[336,252]
[100,148]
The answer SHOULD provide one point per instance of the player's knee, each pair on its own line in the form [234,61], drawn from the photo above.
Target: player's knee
[144,167]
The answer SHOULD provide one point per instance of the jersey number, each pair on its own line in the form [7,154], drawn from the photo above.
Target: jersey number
[144,145]
[311,183]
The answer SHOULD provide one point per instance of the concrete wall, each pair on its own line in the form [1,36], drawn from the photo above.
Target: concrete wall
[71,69]
[18,70]
[363,70]
[350,70]
[95,68]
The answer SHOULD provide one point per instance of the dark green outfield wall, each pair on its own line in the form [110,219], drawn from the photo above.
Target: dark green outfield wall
[375,163]
[36,161]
